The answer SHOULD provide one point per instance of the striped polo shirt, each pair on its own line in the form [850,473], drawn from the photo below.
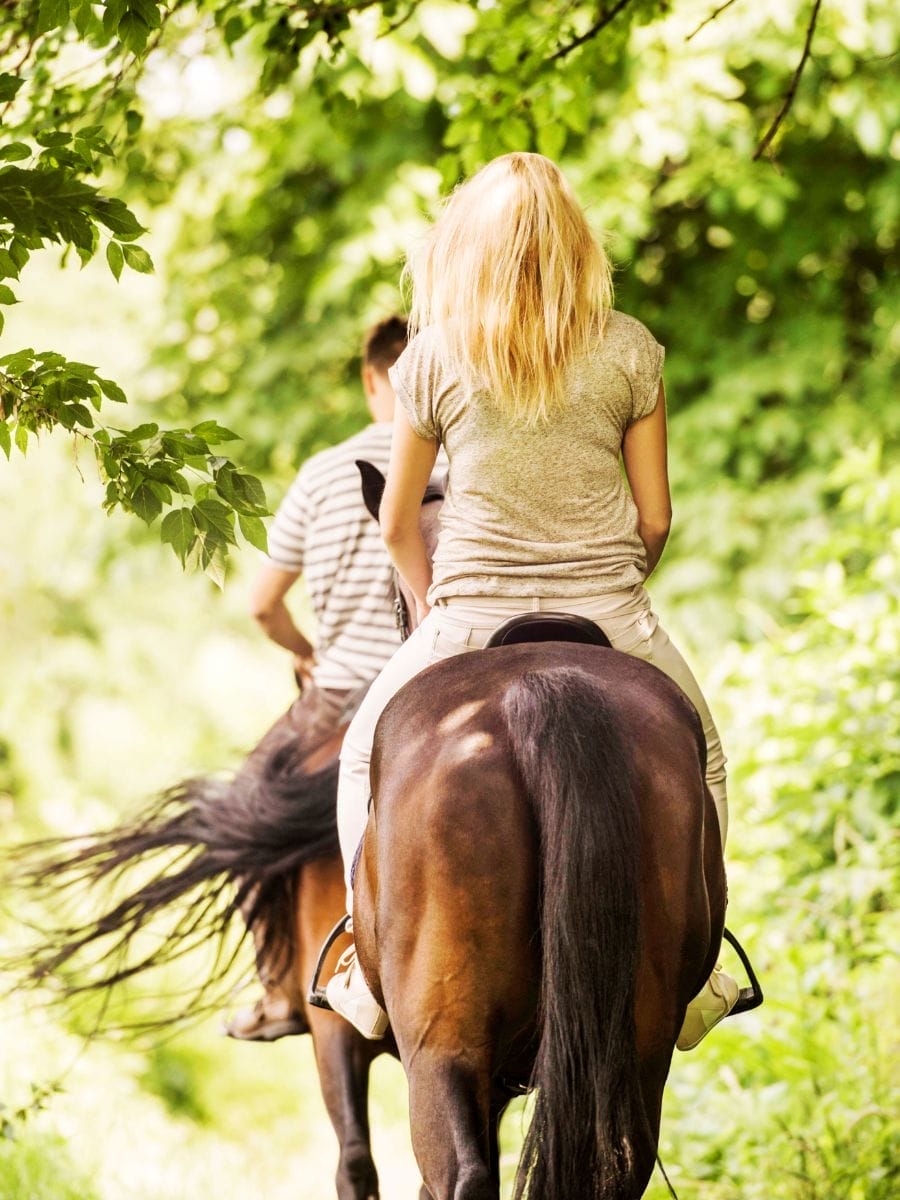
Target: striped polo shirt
[323,530]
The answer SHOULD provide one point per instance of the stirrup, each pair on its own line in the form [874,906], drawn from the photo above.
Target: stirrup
[751,997]
[316,994]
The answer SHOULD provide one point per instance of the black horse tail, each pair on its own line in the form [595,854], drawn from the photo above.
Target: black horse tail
[181,869]
[589,1112]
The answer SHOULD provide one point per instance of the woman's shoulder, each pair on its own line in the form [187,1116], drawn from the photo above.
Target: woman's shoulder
[626,333]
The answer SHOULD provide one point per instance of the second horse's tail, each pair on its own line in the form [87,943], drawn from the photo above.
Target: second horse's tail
[589,1110]
[205,851]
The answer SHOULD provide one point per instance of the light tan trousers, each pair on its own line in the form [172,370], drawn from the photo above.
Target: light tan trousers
[458,625]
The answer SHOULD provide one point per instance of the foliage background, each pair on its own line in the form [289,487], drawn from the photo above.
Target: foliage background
[282,168]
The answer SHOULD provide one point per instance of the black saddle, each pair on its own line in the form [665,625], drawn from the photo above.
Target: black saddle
[548,627]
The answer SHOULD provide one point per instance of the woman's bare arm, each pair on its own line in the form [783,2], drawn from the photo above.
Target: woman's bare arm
[412,461]
[645,453]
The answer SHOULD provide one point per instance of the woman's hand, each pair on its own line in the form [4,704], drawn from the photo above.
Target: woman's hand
[422,611]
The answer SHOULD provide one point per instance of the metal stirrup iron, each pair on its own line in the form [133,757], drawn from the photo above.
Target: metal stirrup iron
[316,994]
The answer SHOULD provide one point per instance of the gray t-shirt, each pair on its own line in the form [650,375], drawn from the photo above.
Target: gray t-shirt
[543,511]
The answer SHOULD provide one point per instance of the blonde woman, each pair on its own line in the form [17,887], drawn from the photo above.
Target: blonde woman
[537,389]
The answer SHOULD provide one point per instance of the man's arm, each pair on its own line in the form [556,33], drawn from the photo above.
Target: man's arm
[268,608]
[644,451]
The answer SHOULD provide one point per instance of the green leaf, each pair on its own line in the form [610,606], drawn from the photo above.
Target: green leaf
[7,295]
[214,433]
[52,14]
[53,137]
[82,15]
[117,218]
[254,531]
[112,391]
[141,433]
[9,85]
[115,258]
[133,121]
[82,415]
[21,438]
[177,531]
[8,269]
[133,32]
[147,11]
[112,14]
[208,553]
[182,445]
[215,516]
[145,502]
[214,559]
[5,439]
[19,252]
[18,361]
[243,492]
[551,139]
[15,151]
[234,29]
[138,259]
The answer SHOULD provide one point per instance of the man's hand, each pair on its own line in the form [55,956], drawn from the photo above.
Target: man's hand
[303,667]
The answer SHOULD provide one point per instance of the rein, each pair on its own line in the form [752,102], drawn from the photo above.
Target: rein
[401,608]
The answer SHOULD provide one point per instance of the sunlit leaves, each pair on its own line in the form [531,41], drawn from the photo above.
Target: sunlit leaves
[148,470]
[115,258]
[138,259]
[52,14]
[9,86]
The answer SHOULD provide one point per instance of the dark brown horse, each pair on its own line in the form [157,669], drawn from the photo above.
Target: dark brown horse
[540,893]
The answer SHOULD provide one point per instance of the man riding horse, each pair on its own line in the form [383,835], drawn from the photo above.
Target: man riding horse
[323,532]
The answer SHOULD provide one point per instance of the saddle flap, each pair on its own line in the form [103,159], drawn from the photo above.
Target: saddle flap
[548,627]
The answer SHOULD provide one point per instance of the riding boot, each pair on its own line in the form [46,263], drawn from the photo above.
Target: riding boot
[713,1002]
[269,1019]
[349,994]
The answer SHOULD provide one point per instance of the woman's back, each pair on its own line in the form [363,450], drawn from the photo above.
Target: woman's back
[536,509]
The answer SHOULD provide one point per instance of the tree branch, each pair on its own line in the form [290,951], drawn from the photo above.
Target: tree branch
[712,16]
[602,21]
[792,89]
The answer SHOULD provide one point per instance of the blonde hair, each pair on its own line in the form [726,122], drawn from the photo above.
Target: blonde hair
[515,281]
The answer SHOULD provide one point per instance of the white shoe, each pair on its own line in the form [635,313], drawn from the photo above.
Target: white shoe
[348,994]
[714,1001]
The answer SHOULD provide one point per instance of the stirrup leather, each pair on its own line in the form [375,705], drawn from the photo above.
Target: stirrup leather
[748,997]
[316,994]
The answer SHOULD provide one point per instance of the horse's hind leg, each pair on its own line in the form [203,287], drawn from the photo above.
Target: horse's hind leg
[453,1128]
[344,1059]
[343,1056]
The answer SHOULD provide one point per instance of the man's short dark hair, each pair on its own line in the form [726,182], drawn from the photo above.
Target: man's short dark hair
[385,342]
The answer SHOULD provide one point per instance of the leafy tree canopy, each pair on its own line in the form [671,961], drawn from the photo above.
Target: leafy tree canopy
[740,154]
